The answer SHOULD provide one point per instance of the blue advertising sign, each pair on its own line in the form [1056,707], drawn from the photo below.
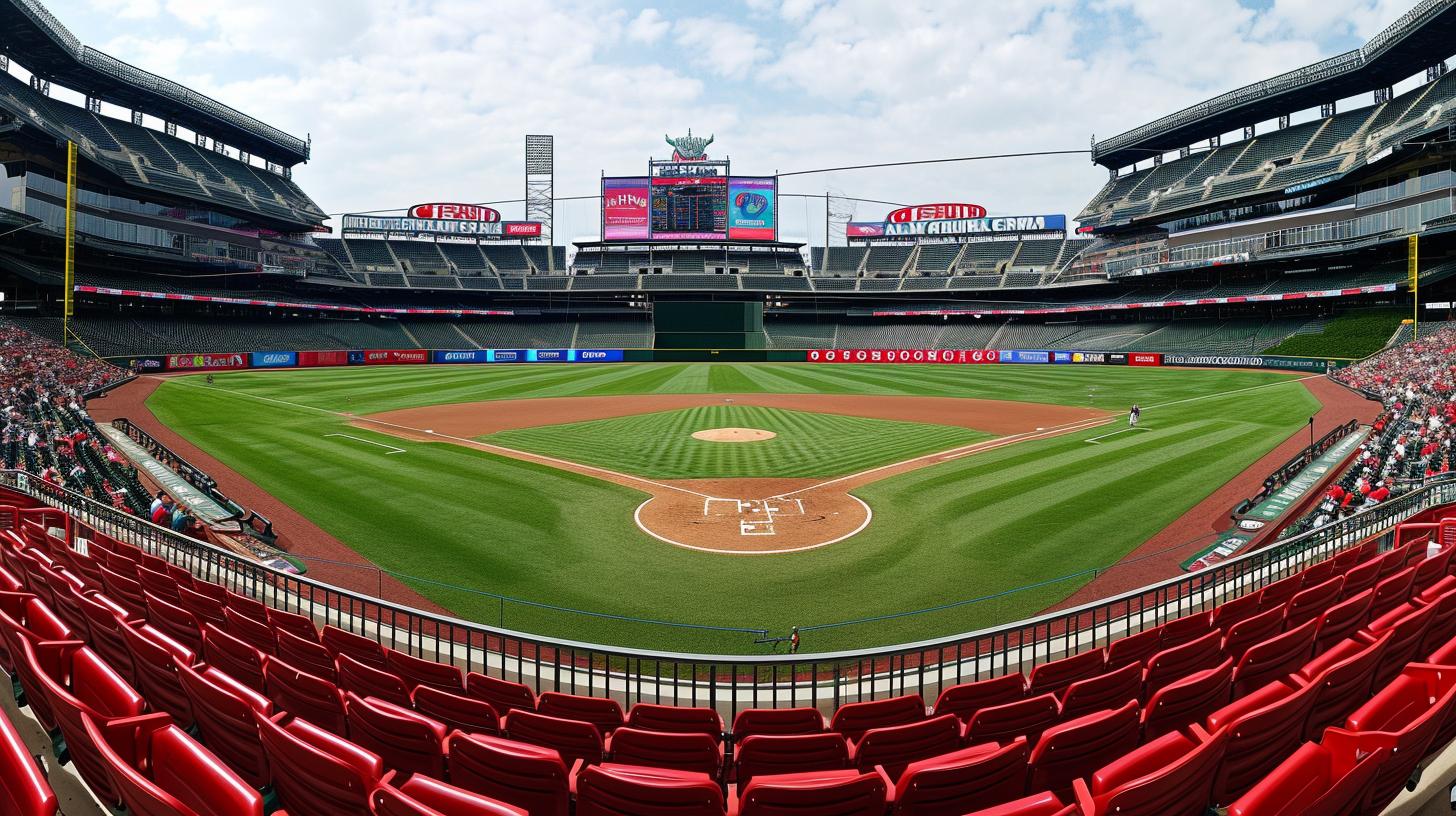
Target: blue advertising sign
[1026,357]
[549,355]
[274,359]
[505,355]
[597,355]
[356,358]
[472,356]
[1061,356]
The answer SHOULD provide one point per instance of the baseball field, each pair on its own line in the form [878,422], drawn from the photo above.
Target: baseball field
[681,506]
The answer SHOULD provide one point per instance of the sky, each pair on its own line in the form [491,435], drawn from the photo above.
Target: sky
[411,101]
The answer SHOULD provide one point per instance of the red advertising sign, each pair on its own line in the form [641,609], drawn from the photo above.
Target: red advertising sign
[903,356]
[211,362]
[395,356]
[935,212]
[624,209]
[312,359]
[522,229]
[454,212]
[1142,358]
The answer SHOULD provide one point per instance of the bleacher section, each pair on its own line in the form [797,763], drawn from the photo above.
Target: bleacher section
[419,257]
[370,255]
[113,335]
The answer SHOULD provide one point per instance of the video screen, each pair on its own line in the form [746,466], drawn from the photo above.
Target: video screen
[689,208]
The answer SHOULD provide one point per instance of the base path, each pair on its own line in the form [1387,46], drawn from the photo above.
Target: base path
[741,516]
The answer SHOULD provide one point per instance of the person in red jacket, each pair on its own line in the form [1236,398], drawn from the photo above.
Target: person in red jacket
[162,516]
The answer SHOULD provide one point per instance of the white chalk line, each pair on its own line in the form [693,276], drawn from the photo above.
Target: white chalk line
[392,449]
[868,512]
[1093,440]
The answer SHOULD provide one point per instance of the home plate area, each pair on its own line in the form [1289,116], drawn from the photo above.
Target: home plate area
[755,516]
[790,516]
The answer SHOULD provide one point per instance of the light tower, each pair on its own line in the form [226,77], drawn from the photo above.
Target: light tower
[540,188]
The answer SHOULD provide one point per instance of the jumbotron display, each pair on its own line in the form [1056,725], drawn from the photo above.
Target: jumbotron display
[689,198]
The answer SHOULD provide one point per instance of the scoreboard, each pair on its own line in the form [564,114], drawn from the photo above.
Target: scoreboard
[689,201]
[687,208]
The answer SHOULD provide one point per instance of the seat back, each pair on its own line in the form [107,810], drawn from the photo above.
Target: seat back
[1189,700]
[1341,620]
[1054,677]
[573,739]
[1037,804]
[259,635]
[1076,748]
[1392,591]
[1109,690]
[160,771]
[1264,727]
[204,608]
[304,695]
[1249,631]
[1344,675]
[316,773]
[965,699]
[236,657]
[457,711]
[529,777]
[896,746]
[406,741]
[294,623]
[1173,664]
[175,622]
[368,681]
[307,655]
[603,712]
[155,658]
[1277,594]
[1024,718]
[619,790]
[227,714]
[853,719]
[24,790]
[988,772]
[503,695]
[423,796]
[1275,658]
[1308,604]
[1134,648]
[771,754]
[417,671]
[1407,628]
[826,793]
[660,749]
[1312,781]
[1405,716]
[1169,776]
[676,719]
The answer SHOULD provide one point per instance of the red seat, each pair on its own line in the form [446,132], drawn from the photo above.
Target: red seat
[777,722]
[1342,620]
[205,608]
[965,699]
[304,695]
[126,592]
[853,719]
[676,719]
[1078,747]
[24,615]
[896,746]
[772,754]
[1396,558]
[307,655]
[1169,776]
[943,785]
[1038,804]
[624,790]
[227,715]
[1442,627]
[457,711]
[1233,610]
[421,796]
[1249,631]
[1431,571]
[503,695]
[1134,648]
[237,658]
[159,584]
[1277,594]
[316,773]
[155,658]
[1361,577]
[1392,591]
[1275,658]
[1183,630]
[70,607]
[104,619]
[573,739]
[1317,573]
[64,680]
[247,607]
[1343,675]
[1186,701]
[160,771]
[1178,662]
[367,681]
[291,622]
[1264,727]
[1407,626]
[1024,718]
[343,642]
[1054,677]
[174,621]
[529,777]
[823,793]
[260,636]
[1313,781]
[1110,690]
[405,741]
[661,749]
[416,671]
[1402,717]
[1343,561]
[603,712]
[1310,603]
[24,790]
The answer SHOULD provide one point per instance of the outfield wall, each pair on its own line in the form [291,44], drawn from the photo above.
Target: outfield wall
[233,361]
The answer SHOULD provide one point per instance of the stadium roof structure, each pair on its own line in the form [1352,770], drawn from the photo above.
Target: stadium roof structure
[33,35]
[1421,38]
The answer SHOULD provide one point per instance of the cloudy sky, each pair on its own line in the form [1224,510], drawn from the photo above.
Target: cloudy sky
[420,100]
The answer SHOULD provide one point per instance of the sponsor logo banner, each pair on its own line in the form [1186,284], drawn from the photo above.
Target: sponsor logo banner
[977,226]
[1249,361]
[472,356]
[1061,356]
[1142,358]
[141,363]
[1089,357]
[197,362]
[323,358]
[1151,304]
[548,355]
[624,209]
[1024,357]
[751,208]
[936,212]
[395,356]
[454,212]
[506,355]
[901,356]
[275,359]
[598,356]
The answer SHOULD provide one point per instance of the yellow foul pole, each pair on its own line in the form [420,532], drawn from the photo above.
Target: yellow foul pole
[70,271]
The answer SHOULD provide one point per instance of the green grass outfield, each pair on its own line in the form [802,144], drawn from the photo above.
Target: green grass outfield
[469,522]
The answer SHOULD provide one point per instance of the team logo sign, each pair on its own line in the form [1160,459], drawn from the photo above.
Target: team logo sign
[689,148]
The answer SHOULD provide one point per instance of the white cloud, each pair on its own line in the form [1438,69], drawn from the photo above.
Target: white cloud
[725,47]
[648,26]
[128,9]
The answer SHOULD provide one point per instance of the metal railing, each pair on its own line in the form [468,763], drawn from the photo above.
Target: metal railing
[735,682]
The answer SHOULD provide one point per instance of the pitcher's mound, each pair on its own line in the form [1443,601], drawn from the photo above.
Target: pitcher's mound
[734,435]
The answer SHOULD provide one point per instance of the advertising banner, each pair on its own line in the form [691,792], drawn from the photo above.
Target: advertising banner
[274,359]
[522,229]
[548,355]
[597,356]
[506,355]
[1116,358]
[1061,357]
[1090,357]
[211,362]
[311,359]
[752,205]
[395,356]
[624,209]
[472,356]
[864,229]
[1249,361]
[1143,358]
[395,225]
[140,365]
[1026,357]
[960,356]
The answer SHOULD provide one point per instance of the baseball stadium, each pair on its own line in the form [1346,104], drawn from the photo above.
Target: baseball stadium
[447,510]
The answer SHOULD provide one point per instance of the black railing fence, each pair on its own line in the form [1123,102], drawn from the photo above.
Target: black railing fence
[734,682]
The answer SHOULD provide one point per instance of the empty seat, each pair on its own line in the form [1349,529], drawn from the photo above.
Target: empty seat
[823,793]
[457,711]
[174,621]
[1407,628]
[304,695]
[316,773]
[1277,594]
[423,796]
[237,658]
[1264,727]
[367,681]
[405,740]
[503,695]
[1134,648]
[853,719]
[416,671]
[660,749]
[1342,620]
[104,619]
[1054,677]
[943,785]
[771,754]
[1024,718]
[1251,630]
[343,642]
[259,635]
[1233,610]
[1313,781]
[24,790]
[1038,804]
[1188,700]
[1182,630]
[294,623]
[896,746]
[159,584]
[24,615]
[1275,658]
[307,655]
[159,770]
[1430,571]
[155,658]
[573,739]
[1078,747]
[1442,626]
[603,712]
[1392,591]
[1308,604]
[676,719]
[227,715]
[1109,690]
[205,608]
[1173,664]
[530,777]
[1360,577]
[624,790]
[1344,676]
[1169,776]
[965,699]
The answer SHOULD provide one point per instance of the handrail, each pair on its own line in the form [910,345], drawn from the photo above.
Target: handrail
[737,681]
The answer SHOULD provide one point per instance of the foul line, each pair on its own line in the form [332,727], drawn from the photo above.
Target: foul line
[392,449]
[1093,440]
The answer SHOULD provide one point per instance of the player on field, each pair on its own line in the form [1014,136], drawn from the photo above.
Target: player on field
[1133,416]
